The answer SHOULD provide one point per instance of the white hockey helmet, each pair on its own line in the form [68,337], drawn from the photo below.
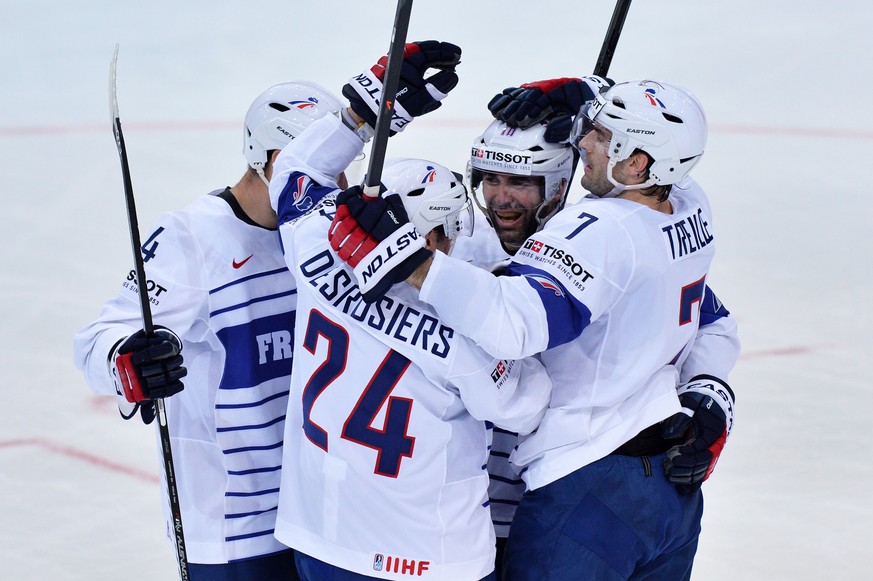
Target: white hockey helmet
[524,152]
[662,119]
[280,114]
[432,195]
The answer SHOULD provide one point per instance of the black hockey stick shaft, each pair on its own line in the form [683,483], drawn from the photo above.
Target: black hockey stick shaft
[389,87]
[147,323]
[610,41]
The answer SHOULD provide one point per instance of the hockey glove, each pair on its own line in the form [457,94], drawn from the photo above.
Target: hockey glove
[375,237]
[555,100]
[149,367]
[703,426]
[416,95]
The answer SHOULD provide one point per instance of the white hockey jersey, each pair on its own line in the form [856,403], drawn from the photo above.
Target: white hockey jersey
[609,293]
[385,442]
[220,283]
[714,352]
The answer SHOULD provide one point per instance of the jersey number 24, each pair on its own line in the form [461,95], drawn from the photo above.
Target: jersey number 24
[391,441]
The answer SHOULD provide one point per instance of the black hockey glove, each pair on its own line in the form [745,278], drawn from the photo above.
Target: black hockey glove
[554,100]
[416,94]
[149,367]
[703,427]
[374,237]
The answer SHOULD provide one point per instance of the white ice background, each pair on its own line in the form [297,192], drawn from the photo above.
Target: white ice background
[787,86]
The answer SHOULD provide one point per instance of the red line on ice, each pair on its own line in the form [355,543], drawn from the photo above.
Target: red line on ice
[35,130]
[82,456]
[781,351]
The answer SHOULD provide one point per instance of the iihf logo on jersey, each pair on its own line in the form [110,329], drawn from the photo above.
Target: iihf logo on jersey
[429,176]
[402,565]
[655,101]
[310,102]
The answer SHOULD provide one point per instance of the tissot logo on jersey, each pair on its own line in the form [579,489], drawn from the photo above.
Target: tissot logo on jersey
[686,236]
[565,261]
[402,565]
[154,289]
[501,371]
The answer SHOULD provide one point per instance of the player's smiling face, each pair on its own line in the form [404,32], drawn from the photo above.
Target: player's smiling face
[512,202]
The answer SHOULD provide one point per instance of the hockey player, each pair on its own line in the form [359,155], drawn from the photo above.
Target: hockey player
[517,199]
[385,447]
[224,299]
[608,293]
[386,440]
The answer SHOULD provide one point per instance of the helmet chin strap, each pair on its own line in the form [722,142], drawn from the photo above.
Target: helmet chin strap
[542,216]
[619,188]
[263,177]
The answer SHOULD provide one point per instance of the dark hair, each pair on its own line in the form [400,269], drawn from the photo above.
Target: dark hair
[659,192]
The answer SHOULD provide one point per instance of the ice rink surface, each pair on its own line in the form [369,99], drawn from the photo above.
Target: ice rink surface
[786,86]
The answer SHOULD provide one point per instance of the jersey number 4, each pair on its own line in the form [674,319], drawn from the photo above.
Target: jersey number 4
[391,441]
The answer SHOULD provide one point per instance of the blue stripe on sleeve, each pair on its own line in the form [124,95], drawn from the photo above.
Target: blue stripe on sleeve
[711,309]
[566,316]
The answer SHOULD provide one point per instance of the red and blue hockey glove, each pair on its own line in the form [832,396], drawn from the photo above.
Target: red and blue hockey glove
[374,237]
[554,100]
[703,427]
[149,367]
[416,94]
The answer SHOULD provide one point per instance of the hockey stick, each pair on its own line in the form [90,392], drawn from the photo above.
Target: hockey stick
[147,324]
[390,82]
[611,39]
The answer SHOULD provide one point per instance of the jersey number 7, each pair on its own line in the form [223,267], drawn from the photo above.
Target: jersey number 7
[391,442]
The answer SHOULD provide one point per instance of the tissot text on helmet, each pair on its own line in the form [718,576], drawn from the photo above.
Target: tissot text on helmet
[502,156]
